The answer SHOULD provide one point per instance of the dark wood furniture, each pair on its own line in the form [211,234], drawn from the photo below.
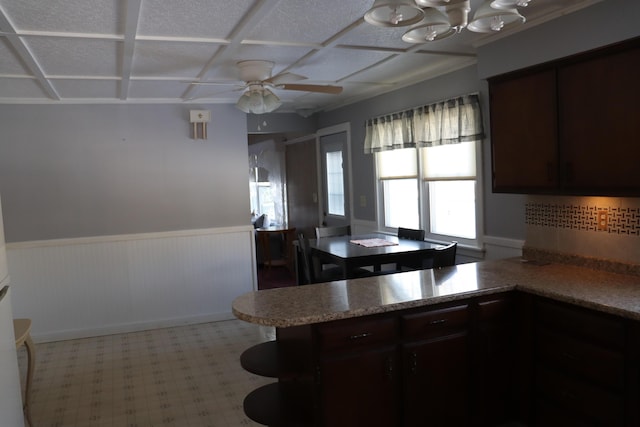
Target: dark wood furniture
[350,256]
[569,126]
[474,352]
[288,236]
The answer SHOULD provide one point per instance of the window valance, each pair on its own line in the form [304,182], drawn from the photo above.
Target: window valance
[447,122]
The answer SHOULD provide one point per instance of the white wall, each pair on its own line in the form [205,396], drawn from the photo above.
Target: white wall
[115,219]
[73,288]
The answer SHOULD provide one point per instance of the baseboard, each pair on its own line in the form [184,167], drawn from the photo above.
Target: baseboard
[130,327]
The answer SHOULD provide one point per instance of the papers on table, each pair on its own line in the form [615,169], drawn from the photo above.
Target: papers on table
[373,243]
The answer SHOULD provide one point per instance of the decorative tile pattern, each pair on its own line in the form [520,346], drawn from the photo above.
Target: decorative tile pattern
[188,376]
[584,218]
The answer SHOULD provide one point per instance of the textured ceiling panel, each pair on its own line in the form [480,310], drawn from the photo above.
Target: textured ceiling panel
[368,35]
[76,16]
[308,21]
[171,59]
[156,89]
[21,88]
[10,64]
[191,18]
[344,62]
[74,57]
[78,89]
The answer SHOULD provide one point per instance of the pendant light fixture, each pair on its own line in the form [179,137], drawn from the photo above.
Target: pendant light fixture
[394,13]
[433,20]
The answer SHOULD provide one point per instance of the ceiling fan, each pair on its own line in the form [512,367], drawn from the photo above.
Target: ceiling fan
[257,97]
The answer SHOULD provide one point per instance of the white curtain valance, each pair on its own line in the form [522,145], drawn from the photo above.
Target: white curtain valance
[448,122]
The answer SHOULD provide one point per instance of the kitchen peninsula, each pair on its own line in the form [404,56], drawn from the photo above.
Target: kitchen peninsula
[474,344]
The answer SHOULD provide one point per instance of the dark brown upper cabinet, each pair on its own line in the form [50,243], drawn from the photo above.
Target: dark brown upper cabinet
[569,127]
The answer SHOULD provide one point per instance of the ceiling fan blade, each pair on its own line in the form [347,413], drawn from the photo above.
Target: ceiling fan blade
[285,77]
[334,90]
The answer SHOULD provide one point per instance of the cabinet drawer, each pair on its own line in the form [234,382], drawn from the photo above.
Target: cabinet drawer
[494,309]
[599,365]
[588,402]
[348,335]
[436,323]
[580,323]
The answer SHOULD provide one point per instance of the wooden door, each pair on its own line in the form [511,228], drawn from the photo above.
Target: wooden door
[436,382]
[524,133]
[302,186]
[361,389]
[599,120]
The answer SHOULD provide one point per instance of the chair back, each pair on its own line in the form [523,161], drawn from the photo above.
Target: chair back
[341,230]
[410,234]
[445,256]
[303,247]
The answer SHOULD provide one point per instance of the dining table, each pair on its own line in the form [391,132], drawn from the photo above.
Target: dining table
[369,250]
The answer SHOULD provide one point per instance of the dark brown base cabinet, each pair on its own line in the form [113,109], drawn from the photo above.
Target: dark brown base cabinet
[413,367]
[483,361]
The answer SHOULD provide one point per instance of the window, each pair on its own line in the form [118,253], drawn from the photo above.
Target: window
[398,174]
[450,171]
[426,164]
[335,183]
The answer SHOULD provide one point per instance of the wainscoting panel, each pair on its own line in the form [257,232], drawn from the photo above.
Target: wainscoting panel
[75,288]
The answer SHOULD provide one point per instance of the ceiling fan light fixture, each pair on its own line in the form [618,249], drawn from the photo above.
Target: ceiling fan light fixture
[488,19]
[434,26]
[394,13]
[258,100]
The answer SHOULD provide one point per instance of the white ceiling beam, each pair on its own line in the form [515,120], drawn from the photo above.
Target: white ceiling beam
[258,11]
[132,16]
[26,56]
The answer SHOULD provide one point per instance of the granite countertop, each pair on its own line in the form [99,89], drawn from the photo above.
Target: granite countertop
[613,293]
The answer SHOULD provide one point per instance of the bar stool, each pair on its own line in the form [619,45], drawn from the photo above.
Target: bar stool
[22,332]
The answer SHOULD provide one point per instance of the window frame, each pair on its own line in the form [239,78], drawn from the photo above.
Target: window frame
[424,202]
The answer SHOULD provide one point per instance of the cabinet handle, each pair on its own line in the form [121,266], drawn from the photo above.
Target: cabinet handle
[390,368]
[414,362]
[360,336]
[438,321]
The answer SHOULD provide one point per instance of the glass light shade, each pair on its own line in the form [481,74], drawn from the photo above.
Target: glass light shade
[509,4]
[394,13]
[434,26]
[488,19]
[258,101]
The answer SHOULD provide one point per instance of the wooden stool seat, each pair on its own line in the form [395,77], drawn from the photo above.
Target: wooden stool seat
[22,332]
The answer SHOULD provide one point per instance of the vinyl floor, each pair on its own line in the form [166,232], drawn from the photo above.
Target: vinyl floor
[187,376]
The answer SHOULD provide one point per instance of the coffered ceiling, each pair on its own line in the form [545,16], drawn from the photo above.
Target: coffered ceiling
[150,51]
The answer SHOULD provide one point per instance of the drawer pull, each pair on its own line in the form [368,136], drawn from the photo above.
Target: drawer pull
[438,321]
[360,336]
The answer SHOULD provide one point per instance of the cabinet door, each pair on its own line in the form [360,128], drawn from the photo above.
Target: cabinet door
[494,387]
[599,125]
[436,386]
[524,133]
[360,390]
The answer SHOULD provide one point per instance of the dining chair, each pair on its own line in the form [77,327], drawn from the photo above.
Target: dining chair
[410,234]
[340,230]
[311,273]
[445,256]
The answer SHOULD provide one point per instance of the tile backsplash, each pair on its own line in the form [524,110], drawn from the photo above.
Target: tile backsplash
[570,226]
[620,220]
